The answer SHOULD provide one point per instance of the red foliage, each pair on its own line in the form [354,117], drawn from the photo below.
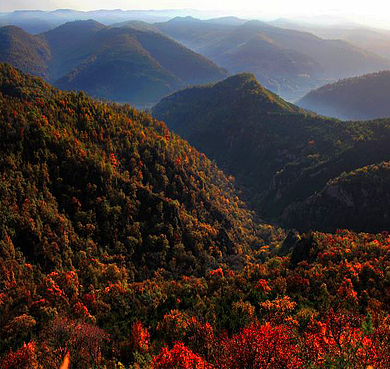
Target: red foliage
[179,357]
[260,346]
[217,272]
[262,285]
[188,329]
[25,357]
[113,160]
[347,292]
[84,342]
[341,338]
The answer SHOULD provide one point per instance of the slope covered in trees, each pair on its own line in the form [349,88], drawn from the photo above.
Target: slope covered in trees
[117,67]
[86,185]
[107,178]
[364,97]
[24,51]
[358,199]
[125,64]
[123,246]
[278,153]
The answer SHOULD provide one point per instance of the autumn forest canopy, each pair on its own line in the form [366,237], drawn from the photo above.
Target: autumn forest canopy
[224,228]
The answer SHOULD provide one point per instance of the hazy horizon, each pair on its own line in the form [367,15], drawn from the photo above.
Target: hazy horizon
[333,12]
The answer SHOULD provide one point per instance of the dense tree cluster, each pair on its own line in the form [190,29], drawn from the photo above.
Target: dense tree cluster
[326,305]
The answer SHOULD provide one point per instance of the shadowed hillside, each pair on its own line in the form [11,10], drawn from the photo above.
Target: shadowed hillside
[278,153]
[365,97]
[358,200]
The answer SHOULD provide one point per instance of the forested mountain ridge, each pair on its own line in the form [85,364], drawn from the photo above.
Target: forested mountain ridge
[116,171]
[123,246]
[363,97]
[279,154]
[116,67]
[24,51]
[143,64]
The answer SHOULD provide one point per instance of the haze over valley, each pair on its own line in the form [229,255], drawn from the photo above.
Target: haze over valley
[287,57]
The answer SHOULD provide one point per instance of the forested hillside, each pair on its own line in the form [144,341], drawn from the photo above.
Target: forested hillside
[112,178]
[84,183]
[123,246]
[358,199]
[279,154]
[364,97]
[24,51]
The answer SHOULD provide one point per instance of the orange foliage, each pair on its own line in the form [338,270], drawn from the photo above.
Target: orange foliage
[140,337]
[217,272]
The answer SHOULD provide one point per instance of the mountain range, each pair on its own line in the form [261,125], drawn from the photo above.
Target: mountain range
[37,21]
[226,227]
[371,39]
[121,64]
[289,62]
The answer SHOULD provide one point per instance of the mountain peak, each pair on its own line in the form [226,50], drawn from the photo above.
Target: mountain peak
[255,23]
[228,20]
[187,19]
[246,84]
[12,29]
[80,25]
[278,153]
[24,50]
[240,96]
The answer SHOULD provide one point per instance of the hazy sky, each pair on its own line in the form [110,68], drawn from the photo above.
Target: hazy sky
[374,11]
